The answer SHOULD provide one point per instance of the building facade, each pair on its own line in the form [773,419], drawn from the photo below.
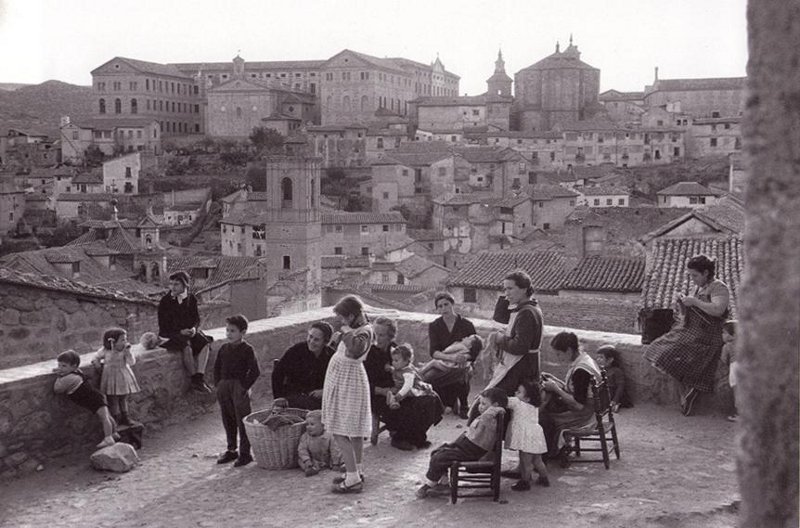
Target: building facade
[121,175]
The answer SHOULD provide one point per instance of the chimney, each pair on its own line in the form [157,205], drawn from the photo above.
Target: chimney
[656,79]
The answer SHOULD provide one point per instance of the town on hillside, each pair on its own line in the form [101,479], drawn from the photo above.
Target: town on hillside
[281,186]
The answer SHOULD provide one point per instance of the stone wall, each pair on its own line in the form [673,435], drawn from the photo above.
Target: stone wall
[36,425]
[36,323]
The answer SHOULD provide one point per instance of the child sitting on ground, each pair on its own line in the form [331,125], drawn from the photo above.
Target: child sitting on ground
[470,345]
[71,382]
[608,359]
[472,445]
[317,450]
[407,382]
[526,435]
[728,357]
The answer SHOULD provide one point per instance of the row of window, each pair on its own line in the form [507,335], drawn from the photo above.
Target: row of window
[338,228]
[154,105]
[153,85]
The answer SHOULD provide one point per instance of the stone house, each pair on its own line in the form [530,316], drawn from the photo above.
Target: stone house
[361,234]
[121,175]
[715,97]
[623,107]
[544,150]
[552,204]
[501,171]
[90,182]
[411,179]
[12,207]
[110,136]
[686,194]
[715,136]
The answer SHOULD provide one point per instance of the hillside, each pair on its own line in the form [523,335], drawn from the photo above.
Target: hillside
[41,106]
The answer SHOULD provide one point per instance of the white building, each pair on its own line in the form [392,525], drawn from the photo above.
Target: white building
[686,194]
[603,196]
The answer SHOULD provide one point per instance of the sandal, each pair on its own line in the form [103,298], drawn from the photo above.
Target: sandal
[341,488]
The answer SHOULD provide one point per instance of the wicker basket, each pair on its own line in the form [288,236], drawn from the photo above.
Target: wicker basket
[274,449]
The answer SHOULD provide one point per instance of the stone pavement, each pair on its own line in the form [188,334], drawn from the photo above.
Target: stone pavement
[675,472]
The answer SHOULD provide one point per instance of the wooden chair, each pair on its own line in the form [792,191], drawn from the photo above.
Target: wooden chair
[481,474]
[603,431]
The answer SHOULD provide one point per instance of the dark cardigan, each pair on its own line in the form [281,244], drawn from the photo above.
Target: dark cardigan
[440,337]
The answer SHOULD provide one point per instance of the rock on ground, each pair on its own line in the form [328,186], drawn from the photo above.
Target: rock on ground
[120,457]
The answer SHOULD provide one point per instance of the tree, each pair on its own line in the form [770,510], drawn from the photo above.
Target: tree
[267,140]
[256,177]
[94,156]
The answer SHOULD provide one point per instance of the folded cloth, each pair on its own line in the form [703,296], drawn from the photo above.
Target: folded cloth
[276,421]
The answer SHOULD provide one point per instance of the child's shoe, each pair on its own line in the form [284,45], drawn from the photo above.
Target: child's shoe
[311,471]
[733,418]
[543,481]
[423,491]
[227,456]
[521,485]
[107,441]
[243,460]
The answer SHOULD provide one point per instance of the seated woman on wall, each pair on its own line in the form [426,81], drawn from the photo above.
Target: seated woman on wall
[300,374]
[408,424]
[452,385]
[567,404]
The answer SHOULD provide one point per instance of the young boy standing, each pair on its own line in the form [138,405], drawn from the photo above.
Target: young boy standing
[235,371]
[471,445]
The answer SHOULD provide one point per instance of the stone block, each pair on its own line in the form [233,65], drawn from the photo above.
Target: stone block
[9,316]
[119,457]
[23,304]
[30,318]
[19,333]
[15,460]
[60,322]
[68,305]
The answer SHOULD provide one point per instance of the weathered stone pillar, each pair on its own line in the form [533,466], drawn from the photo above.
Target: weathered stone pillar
[770,297]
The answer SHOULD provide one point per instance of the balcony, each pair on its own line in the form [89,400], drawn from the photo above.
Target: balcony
[179,481]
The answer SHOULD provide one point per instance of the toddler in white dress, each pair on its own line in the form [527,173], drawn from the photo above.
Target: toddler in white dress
[526,435]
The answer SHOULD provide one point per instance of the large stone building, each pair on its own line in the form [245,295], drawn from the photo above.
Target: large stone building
[237,106]
[558,89]
[156,92]
[715,97]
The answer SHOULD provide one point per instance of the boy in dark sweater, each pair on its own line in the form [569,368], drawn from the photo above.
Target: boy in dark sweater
[235,371]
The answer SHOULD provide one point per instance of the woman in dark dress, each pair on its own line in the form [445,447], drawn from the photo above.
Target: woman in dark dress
[690,352]
[408,424]
[449,328]
[300,374]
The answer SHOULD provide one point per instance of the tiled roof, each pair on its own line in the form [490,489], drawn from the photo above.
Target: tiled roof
[341,261]
[668,273]
[415,265]
[686,188]
[487,269]
[41,262]
[191,68]
[85,197]
[716,120]
[423,159]
[524,134]
[424,235]
[717,83]
[597,123]
[462,100]
[487,154]
[614,95]
[224,269]
[423,146]
[602,190]
[543,191]
[90,177]
[393,217]
[726,217]
[610,274]
[149,67]
[55,283]
[559,60]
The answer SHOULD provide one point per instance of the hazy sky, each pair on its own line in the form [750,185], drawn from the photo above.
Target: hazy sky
[66,39]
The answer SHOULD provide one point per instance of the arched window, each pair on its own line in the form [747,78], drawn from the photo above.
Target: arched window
[102,106]
[155,272]
[286,193]
[117,106]
[134,106]
[238,111]
[364,102]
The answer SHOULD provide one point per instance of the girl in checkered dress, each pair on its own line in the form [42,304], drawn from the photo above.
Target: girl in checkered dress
[690,353]
[346,410]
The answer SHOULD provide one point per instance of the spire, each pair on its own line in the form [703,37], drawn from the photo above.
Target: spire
[499,64]
[570,39]
[558,44]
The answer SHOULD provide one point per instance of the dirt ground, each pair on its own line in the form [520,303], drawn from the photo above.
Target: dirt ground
[675,472]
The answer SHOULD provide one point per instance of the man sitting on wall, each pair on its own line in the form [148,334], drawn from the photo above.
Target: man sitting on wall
[179,321]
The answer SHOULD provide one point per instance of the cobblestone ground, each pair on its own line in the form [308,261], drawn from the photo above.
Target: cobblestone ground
[674,472]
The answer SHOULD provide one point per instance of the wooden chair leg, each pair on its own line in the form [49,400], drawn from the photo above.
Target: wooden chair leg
[577,446]
[376,424]
[604,447]
[616,442]
[453,484]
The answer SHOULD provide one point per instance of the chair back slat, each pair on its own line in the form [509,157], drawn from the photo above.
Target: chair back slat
[602,395]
